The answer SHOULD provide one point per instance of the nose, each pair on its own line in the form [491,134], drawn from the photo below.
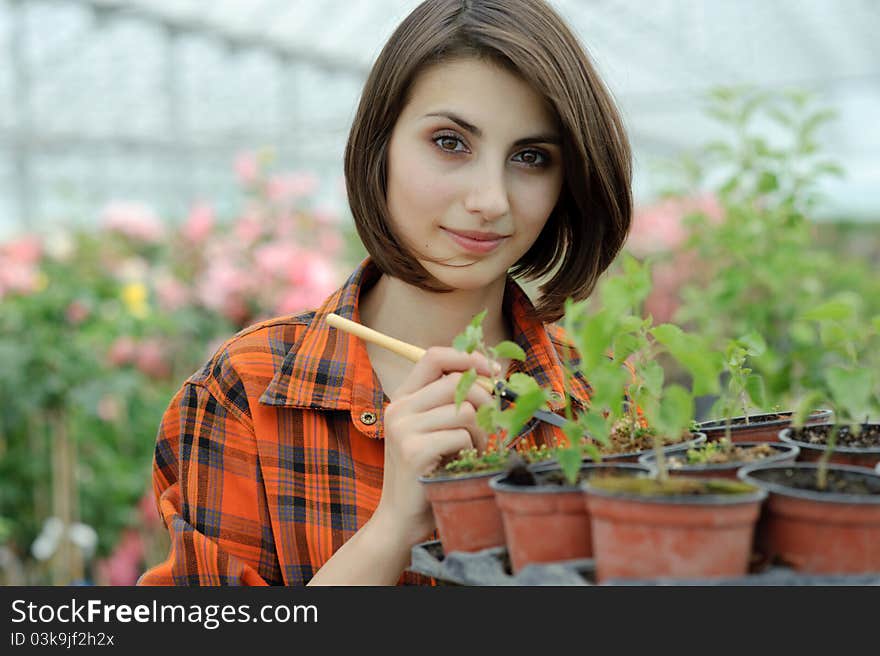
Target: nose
[488,194]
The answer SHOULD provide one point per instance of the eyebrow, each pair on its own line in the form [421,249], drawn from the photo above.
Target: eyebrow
[473,129]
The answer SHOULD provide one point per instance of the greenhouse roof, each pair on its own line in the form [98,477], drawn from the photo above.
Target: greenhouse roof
[152,99]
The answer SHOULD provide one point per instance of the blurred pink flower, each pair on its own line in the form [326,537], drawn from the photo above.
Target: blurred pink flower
[291,186]
[326,216]
[123,566]
[659,227]
[171,293]
[199,223]
[330,242]
[149,511]
[247,168]
[76,312]
[109,409]
[293,301]
[275,258]
[19,266]
[133,220]
[248,228]
[122,352]
[24,250]
[313,271]
[151,359]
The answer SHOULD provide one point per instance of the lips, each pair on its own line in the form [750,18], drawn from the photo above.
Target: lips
[477,236]
[476,242]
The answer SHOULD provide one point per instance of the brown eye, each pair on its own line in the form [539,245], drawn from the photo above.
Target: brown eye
[450,143]
[533,158]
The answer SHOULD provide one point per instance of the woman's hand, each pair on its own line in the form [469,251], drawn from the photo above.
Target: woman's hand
[422,426]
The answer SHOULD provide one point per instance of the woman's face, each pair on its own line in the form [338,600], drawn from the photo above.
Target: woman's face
[476,150]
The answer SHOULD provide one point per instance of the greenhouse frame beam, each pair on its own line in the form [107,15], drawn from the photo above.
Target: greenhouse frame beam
[22,131]
[254,41]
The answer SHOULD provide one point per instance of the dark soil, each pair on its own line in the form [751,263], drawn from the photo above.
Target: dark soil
[838,481]
[624,442]
[868,438]
[520,475]
[753,419]
[734,455]
[671,487]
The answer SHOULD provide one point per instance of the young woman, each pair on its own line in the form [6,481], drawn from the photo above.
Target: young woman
[485,147]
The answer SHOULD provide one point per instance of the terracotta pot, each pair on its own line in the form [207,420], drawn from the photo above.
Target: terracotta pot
[548,523]
[818,532]
[467,517]
[633,456]
[785,454]
[682,537]
[759,428]
[842,455]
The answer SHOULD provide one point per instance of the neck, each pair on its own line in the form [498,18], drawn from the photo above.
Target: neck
[427,319]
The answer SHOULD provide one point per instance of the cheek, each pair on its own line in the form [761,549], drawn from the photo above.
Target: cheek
[536,200]
[417,190]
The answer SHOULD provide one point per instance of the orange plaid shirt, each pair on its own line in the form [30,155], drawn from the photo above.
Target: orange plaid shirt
[270,458]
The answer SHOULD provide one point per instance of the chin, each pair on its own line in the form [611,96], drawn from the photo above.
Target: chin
[476,275]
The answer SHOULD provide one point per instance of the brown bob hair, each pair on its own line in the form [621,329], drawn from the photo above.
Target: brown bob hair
[591,220]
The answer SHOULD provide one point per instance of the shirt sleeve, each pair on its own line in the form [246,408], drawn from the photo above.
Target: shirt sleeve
[208,487]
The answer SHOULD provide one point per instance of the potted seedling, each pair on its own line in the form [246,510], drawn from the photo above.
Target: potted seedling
[545,518]
[847,380]
[742,439]
[463,504]
[681,527]
[823,516]
[744,390]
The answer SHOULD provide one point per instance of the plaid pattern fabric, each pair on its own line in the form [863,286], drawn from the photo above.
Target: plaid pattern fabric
[264,464]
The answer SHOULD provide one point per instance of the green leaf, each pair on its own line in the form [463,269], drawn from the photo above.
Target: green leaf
[573,431]
[834,310]
[704,364]
[597,427]
[570,461]
[461,342]
[464,386]
[807,405]
[608,382]
[675,414]
[851,390]
[767,182]
[486,417]
[653,375]
[753,343]
[522,383]
[512,350]
[756,391]
[477,321]
[515,418]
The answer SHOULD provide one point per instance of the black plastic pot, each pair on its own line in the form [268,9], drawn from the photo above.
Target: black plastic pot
[818,532]
[786,454]
[759,428]
[842,455]
[633,456]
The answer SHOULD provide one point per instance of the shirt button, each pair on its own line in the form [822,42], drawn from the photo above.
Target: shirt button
[368,418]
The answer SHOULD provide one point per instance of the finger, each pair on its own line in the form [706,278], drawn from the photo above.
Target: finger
[442,392]
[449,417]
[444,417]
[445,443]
[440,360]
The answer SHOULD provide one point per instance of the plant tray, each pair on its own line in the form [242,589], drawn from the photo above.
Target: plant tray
[492,567]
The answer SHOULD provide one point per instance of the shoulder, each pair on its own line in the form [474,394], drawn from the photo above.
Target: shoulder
[244,365]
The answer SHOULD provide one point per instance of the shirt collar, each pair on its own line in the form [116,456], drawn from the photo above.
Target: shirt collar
[329,369]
